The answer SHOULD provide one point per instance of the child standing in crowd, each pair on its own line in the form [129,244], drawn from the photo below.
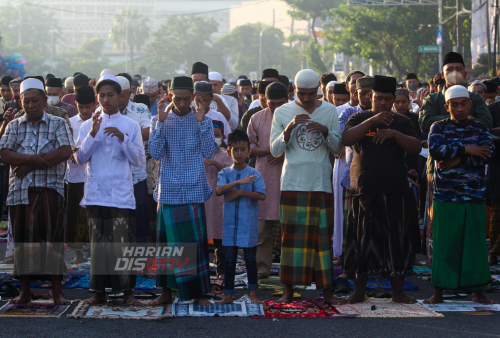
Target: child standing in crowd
[243,187]
[214,205]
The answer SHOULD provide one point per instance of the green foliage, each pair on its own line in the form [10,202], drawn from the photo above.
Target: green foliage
[87,59]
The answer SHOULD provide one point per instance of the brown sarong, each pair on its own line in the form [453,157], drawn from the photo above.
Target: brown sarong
[77,228]
[38,234]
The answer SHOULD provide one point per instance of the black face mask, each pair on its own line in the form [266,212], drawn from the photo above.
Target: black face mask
[412,86]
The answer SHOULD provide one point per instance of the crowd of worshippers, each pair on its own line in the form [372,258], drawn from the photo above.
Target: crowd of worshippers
[312,173]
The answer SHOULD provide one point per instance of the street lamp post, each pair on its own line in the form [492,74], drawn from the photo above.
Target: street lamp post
[126,40]
[260,49]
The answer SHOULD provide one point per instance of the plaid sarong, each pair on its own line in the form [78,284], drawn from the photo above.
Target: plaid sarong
[38,233]
[306,233]
[185,224]
[276,237]
[77,227]
[111,230]
[495,230]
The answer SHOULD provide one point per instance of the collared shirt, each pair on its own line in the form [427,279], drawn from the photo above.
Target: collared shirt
[47,135]
[76,172]
[232,104]
[70,99]
[52,110]
[71,110]
[343,107]
[181,143]
[109,162]
[154,108]
[139,113]
[240,225]
[343,118]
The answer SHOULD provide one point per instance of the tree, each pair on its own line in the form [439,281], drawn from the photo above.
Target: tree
[179,43]
[389,36]
[243,47]
[88,58]
[313,10]
[130,29]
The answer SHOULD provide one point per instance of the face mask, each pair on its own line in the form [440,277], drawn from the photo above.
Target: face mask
[412,86]
[218,140]
[53,100]
[454,78]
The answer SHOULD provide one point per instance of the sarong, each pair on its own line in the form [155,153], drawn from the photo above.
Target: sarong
[111,231]
[495,230]
[428,219]
[77,227]
[179,224]
[306,238]
[142,226]
[38,233]
[339,209]
[460,260]
[379,236]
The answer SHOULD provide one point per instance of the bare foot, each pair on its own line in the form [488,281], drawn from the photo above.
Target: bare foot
[99,298]
[260,276]
[339,261]
[286,298]
[76,260]
[402,298]
[355,297]
[435,299]
[228,299]
[222,276]
[330,299]
[492,260]
[163,299]
[128,298]
[202,301]
[254,298]
[23,298]
[150,274]
[480,297]
[59,299]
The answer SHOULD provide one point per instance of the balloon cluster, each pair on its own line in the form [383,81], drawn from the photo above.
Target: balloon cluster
[12,65]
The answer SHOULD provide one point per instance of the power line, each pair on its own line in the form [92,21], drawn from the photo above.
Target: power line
[121,15]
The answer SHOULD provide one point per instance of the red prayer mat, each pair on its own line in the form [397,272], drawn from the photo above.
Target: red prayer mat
[308,308]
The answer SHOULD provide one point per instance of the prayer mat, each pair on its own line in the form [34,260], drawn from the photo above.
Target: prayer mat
[242,307]
[81,266]
[36,284]
[422,270]
[83,282]
[116,309]
[460,306]
[374,283]
[309,308]
[34,309]
[7,268]
[384,308]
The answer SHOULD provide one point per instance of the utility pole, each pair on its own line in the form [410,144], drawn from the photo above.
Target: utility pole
[488,34]
[459,27]
[19,36]
[260,50]
[440,18]
[126,40]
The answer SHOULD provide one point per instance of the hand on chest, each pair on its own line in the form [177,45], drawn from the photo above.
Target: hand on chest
[307,140]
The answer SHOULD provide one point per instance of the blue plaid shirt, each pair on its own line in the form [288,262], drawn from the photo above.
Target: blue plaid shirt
[181,144]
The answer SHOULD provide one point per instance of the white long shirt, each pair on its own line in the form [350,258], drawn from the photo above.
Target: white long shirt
[235,111]
[109,162]
[75,173]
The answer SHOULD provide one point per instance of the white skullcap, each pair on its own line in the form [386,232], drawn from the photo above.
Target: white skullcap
[124,83]
[32,84]
[320,92]
[455,91]
[108,78]
[69,82]
[215,76]
[306,79]
[331,84]
[107,72]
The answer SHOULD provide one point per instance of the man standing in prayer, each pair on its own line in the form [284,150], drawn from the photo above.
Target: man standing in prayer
[77,230]
[68,86]
[5,91]
[269,75]
[37,147]
[199,72]
[306,131]
[461,148]
[79,81]
[149,87]
[261,90]
[216,79]
[109,146]
[244,87]
[15,103]
[181,140]
[259,132]
[54,89]
[478,87]
[433,110]
[204,96]
[378,235]
[325,79]
[338,94]
[350,84]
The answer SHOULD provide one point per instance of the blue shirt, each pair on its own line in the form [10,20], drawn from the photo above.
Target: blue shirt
[154,108]
[343,118]
[181,144]
[240,225]
[466,182]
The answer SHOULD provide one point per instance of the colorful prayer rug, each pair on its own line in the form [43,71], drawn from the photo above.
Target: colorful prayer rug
[374,283]
[383,308]
[34,309]
[460,306]
[83,282]
[422,270]
[242,307]
[36,284]
[308,308]
[118,310]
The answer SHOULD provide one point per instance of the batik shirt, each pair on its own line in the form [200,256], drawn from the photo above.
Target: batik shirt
[46,136]
[466,182]
[240,225]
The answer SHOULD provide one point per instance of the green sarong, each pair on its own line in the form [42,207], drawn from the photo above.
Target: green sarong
[460,259]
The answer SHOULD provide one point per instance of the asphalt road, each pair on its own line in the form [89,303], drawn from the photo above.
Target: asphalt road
[454,324]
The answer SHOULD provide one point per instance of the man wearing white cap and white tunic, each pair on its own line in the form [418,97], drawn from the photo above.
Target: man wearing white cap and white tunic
[149,86]
[217,84]
[36,198]
[306,131]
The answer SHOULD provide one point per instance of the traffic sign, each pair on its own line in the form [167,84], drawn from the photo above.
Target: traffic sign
[339,68]
[428,49]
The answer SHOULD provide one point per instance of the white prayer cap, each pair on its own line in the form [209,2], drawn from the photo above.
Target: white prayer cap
[331,84]
[306,79]
[215,76]
[106,78]
[320,92]
[456,91]
[149,85]
[107,72]
[124,83]
[31,84]
[69,82]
